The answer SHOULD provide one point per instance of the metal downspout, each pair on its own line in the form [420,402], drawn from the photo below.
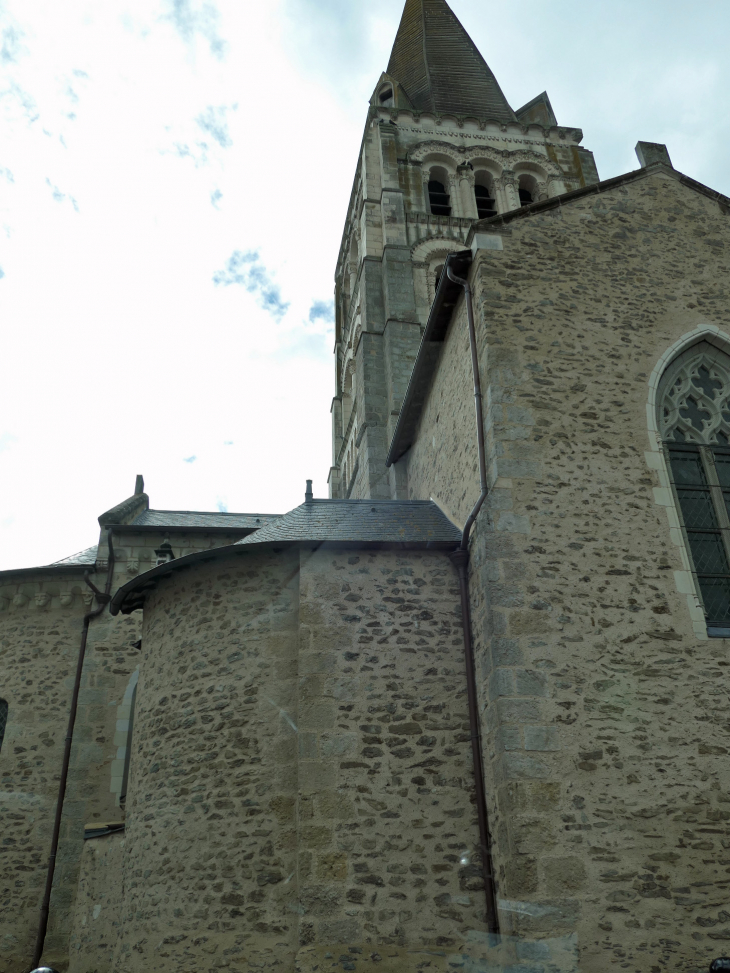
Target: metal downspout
[460,559]
[103,599]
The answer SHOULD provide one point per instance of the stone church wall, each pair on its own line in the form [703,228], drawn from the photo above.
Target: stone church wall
[301,784]
[387,787]
[210,849]
[606,733]
[40,631]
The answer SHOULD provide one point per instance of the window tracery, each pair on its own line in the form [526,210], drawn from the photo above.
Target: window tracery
[694,421]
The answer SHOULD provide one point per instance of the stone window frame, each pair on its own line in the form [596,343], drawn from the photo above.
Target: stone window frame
[427,256]
[4,710]
[716,627]
[656,459]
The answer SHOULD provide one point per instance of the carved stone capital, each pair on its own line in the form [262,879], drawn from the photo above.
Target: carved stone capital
[508,177]
[466,174]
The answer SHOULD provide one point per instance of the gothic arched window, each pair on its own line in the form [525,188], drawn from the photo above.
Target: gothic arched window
[3,720]
[694,421]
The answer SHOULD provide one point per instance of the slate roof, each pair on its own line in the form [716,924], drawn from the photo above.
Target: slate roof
[71,565]
[361,521]
[194,518]
[83,557]
[439,67]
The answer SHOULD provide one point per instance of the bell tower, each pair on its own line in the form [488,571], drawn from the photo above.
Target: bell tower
[442,150]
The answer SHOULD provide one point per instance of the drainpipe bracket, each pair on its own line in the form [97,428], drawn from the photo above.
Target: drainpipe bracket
[459,558]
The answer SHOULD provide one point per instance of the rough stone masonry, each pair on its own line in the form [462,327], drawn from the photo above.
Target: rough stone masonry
[271,767]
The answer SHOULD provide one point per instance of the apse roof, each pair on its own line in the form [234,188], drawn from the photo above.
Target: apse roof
[408,524]
[360,521]
[439,67]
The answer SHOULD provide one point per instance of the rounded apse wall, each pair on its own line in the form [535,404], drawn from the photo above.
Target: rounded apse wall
[301,779]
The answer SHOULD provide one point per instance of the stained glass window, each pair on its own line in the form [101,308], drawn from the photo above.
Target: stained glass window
[694,419]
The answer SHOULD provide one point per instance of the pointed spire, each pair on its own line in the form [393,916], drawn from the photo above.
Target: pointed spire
[439,66]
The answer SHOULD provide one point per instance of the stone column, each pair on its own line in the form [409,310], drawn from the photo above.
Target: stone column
[453,188]
[425,177]
[466,187]
[509,187]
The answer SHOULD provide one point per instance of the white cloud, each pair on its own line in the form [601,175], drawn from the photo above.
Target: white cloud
[213,121]
[247,270]
[192,19]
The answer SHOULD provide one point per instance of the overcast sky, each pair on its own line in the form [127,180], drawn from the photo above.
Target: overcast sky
[174,176]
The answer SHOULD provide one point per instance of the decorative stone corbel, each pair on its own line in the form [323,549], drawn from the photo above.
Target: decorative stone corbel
[42,599]
[67,599]
[4,604]
[20,600]
[87,597]
[133,566]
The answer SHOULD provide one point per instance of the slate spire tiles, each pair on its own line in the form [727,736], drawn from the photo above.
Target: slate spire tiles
[439,66]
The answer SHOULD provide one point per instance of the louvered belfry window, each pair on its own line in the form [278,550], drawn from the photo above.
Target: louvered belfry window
[3,720]
[438,198]
[694,419]
[486,206]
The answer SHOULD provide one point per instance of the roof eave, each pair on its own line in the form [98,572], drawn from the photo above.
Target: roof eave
[131,596]
[178,529]
[47,569]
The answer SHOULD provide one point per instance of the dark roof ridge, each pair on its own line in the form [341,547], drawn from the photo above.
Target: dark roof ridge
[426,363]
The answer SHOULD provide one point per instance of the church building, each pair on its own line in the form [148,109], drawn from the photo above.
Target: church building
[469,712]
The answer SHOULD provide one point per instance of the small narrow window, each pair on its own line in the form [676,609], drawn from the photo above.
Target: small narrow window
[3,720]
[525,196]
[486,206]
[438,198]
[694,418]
[128,751]
[385,97]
